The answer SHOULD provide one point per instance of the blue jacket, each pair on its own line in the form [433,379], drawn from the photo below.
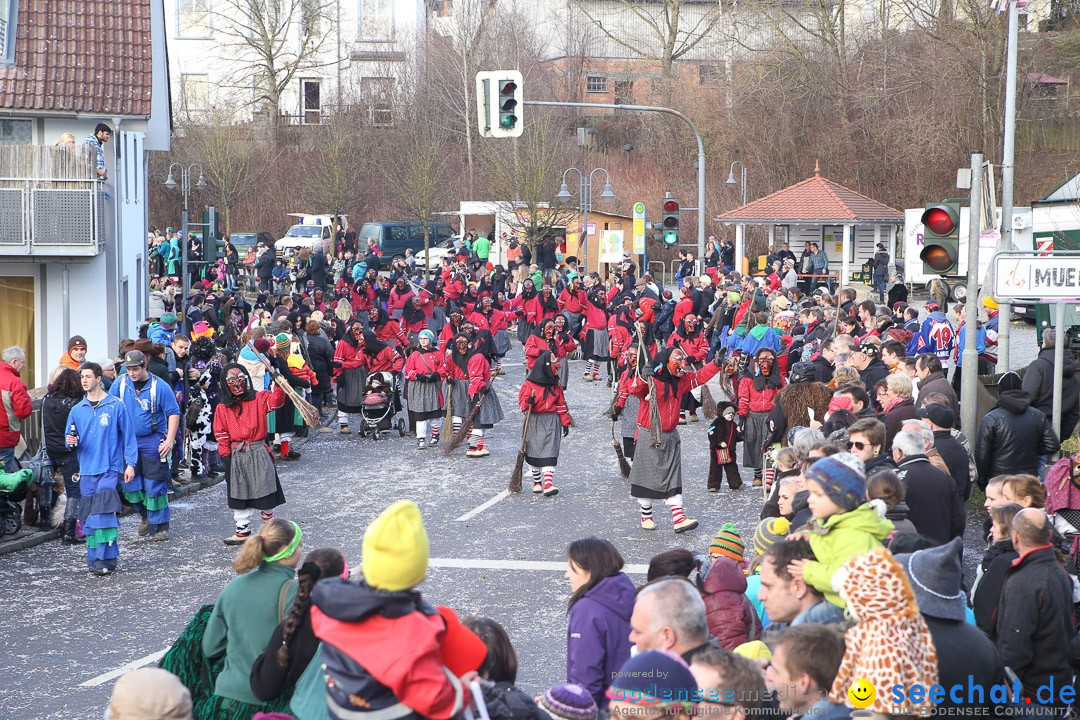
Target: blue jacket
[160,334]
[160,403]
[598,636]
[980,343]
[106,436]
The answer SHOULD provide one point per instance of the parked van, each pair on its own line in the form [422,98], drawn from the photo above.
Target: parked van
[309,231]
[394,238]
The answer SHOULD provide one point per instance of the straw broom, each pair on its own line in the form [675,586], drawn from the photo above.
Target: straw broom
[624,466]
[464,430]
[515,477]
[307,410]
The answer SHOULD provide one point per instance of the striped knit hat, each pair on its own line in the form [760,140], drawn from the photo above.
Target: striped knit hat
[569,702]
[842,478]
[728,543]
[283,341]
[769,532]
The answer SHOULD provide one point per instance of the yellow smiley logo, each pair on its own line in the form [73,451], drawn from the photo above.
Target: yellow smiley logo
[861,693]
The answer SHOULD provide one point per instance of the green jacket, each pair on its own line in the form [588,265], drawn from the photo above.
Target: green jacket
[244,618]
[538,280]
[837,539]
[482,247]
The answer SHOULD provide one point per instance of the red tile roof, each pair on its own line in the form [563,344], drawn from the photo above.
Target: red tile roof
[814,200]
[85,56]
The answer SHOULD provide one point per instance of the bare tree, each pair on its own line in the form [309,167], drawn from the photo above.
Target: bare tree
[336,160]
[272,42]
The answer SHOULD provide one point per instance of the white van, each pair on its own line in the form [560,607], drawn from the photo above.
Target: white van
[309,231]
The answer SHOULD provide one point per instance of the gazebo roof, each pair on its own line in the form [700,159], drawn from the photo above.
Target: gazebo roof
[815,200]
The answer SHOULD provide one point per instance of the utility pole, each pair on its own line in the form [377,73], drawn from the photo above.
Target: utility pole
[969,378]
[1007,159]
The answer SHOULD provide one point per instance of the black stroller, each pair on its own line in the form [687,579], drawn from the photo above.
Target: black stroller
[380,406]
[13,487]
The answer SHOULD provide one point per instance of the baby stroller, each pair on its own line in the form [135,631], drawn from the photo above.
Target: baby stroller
[13,487]
[379,406]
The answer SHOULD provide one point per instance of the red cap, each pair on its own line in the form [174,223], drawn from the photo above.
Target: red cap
[261,344]
[462,649]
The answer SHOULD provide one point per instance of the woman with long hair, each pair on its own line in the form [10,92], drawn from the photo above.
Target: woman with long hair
[601,602]
[248,610]
[501,666]
[291,661]
[64,392]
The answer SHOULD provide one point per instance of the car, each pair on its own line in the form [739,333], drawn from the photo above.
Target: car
[437,253]
[394,238]
[310,231]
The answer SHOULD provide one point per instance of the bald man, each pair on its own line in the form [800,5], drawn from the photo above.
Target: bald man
[1034,629]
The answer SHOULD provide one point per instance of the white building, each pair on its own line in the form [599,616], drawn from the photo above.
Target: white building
[73,249]
[355,52]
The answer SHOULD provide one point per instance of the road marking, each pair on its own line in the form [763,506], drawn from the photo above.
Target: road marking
[481,508]
[125,669]
[486,564]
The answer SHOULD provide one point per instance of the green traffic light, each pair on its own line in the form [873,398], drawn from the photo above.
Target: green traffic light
[670,238]
[509,121]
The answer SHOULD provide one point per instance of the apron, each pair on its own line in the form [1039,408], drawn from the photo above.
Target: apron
[657,471]
[252,476]
[543,440]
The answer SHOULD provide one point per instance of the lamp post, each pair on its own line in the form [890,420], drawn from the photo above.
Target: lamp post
[739,240]
[585,194]
[185,190]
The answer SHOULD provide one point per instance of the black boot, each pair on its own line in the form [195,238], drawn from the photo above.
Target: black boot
[69,533]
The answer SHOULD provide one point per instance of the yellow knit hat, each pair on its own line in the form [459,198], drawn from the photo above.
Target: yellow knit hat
[754,650]
[989,303]
[395,549]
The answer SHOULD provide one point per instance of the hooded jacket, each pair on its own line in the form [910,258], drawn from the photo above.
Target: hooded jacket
[836,539]
[1039,384]
[598,635]
[382,653]
[731,617]
[15,405]
[936,509]
[1012,436]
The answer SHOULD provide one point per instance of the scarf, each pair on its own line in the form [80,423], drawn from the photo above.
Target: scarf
[461,359]
[541,373]
[890,404]
[890,644]
[372,345]
[772,380]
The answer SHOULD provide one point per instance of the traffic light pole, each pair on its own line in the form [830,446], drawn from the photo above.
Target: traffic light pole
[1007,159]
[969,379]
[669,111]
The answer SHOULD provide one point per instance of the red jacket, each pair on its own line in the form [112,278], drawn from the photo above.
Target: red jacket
[387,359]
[571,302]
[398,301]
[695,348]
[349,357]
[544,400]
[535,345]
[392,334]
[446,336]
[246,422]
[595,317]
[495,322]
[753,400]
[425,363]
[15,405]
[361,302]
[479,374]
[684,307]
[668,402]
[730,614]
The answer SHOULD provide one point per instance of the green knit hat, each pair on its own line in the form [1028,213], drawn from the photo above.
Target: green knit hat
[728,543]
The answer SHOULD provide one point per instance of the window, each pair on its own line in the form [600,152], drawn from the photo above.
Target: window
[378,94]
[311,94]
[376,20]
[595,84]
[193,18]
[16,132]
[9,10]
[623,90]
[195,92]
[442,8]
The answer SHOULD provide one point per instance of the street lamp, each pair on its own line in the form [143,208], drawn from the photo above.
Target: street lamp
[185,189]
[739,240]
[585,193]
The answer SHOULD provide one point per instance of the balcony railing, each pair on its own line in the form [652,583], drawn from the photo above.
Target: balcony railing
[58,218]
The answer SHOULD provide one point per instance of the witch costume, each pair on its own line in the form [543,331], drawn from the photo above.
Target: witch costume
[547,423]
[482,393]
[424,371]
[240,428]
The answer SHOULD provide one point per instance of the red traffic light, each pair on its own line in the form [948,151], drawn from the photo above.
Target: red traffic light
[939,220]
[671,206]
[508,87]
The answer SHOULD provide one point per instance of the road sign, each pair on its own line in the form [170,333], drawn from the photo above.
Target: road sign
[639,228]
[1042,277]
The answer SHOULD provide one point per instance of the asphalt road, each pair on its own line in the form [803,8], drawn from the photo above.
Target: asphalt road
[65,635]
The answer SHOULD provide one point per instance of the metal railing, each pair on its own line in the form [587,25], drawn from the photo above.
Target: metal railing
[51,217]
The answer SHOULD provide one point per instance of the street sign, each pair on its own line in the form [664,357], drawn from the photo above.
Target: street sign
[611,246]
[639,228]
[1053,276]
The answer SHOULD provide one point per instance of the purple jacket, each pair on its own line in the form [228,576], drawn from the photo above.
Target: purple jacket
[598,637]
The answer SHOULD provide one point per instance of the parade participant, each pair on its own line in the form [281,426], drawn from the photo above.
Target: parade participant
[566,346]
[203,391]
[627,404]
[457,380]
[401,296]
[757,395]
[425,372]
[542,340]
[155,417]
[596,345]
[481,391]
[415,316]
[387,330]
[350,373]
[292,368]
[724,435]
[621,332]
[485,316]
[380,356]
[103,435]
[240,428]
[548,421]
[571,301]
[657,469]
[689,338]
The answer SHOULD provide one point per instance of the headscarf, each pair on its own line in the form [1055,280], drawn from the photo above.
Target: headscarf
[551,302]
[412,313]
[461,359]
[624,317]
[227,398]
[539,332]
[372,345]
[203,349]
[484,344]
[542,374]
[686,334]
[349,333]
[772,380]
[660,372]
[889,626]
[528,289]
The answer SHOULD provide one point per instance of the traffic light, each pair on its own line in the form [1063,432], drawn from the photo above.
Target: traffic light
[508,104]
[941,238]
[670,221]
[499,99]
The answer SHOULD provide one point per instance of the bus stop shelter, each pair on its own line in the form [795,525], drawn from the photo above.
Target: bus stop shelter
[847,224]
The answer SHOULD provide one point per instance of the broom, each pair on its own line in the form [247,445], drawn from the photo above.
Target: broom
[624,466]
[307,410]
[448,418]
[464,430]
[515,477]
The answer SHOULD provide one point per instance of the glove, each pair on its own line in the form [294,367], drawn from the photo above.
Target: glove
[616,413]
[565,430]
[485,390]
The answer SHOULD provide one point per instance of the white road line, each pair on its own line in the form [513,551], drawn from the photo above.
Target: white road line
[481,508]
[485,564]
[124,669]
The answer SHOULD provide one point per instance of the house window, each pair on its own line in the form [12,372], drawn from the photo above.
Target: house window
[443,8]
[195,91]
[9,10]
[595,84]
[311,93]
[193,18]
[16,132]
[378,94]
[623,90]
[376,20]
